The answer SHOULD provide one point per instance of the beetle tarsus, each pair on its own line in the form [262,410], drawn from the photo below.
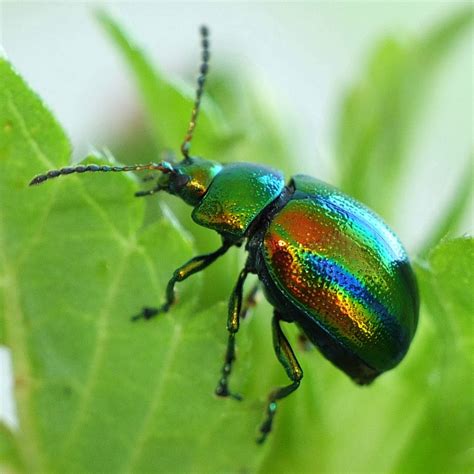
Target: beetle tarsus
[266,426]
[222,390]
[146,313]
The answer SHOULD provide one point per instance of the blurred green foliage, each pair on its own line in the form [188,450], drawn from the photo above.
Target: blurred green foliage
[380,112]
[97,394]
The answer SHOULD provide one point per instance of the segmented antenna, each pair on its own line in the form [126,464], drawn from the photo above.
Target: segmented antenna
[186,146]
[164,167]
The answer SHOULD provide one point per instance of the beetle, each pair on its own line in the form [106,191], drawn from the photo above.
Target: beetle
[325,261]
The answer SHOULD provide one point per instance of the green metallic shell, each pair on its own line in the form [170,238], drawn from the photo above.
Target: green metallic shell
[340,265]
[236,196]
[200,174]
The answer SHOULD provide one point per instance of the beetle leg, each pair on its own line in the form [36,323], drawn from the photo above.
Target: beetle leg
[287,359]
[149,192]
[192,266]
[250,300]
[233,319]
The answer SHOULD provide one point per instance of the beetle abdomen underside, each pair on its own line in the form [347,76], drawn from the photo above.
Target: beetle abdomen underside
[340,265]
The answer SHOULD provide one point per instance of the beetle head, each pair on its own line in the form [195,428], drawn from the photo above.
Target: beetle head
[190,179]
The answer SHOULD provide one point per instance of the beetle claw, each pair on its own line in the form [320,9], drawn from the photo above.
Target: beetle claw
[265,429]
[146,314]
[223,391]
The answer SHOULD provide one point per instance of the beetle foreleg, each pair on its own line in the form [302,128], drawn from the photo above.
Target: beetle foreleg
[149,192]
[195,265]
[287,359]
[233,319]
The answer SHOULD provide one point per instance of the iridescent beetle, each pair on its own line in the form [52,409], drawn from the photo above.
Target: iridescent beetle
[325,261]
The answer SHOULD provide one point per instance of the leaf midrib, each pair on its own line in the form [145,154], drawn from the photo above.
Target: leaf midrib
[96,361]
[155,399]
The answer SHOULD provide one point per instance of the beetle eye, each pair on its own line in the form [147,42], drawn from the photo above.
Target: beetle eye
[180,180]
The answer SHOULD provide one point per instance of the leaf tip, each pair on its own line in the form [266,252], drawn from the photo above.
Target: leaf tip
[101,14]
[3,54]
[106,20]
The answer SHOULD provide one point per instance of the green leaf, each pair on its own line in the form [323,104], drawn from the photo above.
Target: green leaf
[378,114]
[95,392]
[169,105]
[443,437]
[10,460]
[440,39]
[22,154]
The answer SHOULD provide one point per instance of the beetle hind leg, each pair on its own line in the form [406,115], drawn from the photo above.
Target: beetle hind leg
[288,360]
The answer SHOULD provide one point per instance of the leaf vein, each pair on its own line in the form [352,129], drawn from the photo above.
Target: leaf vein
[155,399]
[102,336]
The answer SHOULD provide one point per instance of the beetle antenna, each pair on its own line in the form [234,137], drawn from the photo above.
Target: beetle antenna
[204,68]
[163,166]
